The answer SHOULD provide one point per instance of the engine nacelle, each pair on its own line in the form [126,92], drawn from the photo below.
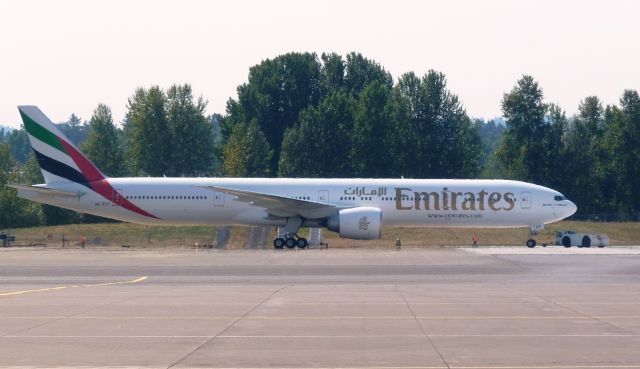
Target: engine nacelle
[362,223]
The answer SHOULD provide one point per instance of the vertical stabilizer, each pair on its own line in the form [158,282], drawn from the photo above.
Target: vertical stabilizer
[59,160]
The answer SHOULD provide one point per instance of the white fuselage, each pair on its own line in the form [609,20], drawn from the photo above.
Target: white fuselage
[404,202]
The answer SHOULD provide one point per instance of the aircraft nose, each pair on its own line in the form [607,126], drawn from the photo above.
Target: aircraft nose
[571,209]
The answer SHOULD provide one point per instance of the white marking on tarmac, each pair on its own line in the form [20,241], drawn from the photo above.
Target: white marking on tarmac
[582,317]
[14,293]
[409,367]
[327,336]
[553,250]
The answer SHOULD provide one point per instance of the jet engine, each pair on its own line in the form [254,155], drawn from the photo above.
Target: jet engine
[361,223]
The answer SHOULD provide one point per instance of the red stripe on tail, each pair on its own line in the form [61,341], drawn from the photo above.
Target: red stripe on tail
[99,183]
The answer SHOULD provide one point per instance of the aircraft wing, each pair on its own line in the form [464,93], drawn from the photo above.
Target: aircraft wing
[45,190]
[281,206]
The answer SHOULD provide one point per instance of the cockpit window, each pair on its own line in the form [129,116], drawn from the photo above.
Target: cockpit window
[559,198]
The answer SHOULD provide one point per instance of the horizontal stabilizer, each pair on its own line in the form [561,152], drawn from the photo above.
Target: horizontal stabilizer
[46,191]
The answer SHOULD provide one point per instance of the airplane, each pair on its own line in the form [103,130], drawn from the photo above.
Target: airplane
[354,208]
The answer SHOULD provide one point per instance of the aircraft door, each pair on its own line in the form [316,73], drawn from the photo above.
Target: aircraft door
[526,200]
[323,196]
[218,198]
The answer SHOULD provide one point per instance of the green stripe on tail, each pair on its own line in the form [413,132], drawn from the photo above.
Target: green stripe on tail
[41,133]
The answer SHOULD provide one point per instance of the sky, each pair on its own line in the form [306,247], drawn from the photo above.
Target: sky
[68,56]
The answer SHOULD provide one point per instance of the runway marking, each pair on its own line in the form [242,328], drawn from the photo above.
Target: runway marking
[581,317]
[439,367]
[72,286]
[332,336]
[467,367]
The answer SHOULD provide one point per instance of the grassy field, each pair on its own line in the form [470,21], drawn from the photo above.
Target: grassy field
[119,234]
[140,236]
[620,234]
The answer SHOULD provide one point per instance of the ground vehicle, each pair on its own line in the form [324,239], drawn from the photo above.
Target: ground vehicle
[572,238]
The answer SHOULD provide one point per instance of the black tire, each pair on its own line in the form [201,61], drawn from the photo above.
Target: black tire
[290,242]
[302,243]
[586,241]
[566,241]
[531,243]
[278,243]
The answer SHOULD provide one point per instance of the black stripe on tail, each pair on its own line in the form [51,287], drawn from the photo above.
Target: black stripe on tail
[60,169]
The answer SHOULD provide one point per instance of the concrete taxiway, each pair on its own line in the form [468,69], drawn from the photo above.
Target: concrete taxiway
[415,308]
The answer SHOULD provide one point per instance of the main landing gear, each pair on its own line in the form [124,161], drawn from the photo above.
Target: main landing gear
[291,239]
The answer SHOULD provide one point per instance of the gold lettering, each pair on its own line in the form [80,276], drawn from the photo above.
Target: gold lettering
[454,200]
[510,199]
[427,203]
[399,197]
[469,202]
[445,199]
[481,195]
[493,199]
[436,201]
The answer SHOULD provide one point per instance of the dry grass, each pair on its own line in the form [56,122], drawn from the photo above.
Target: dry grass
[134,235]
[118,234]
[620,234]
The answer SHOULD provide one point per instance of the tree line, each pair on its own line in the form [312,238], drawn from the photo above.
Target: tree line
[304,115]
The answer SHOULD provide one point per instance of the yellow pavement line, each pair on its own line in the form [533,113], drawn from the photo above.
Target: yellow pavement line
[116,283]
[72,286]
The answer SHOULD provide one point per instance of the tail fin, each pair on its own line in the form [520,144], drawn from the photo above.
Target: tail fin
[59,160]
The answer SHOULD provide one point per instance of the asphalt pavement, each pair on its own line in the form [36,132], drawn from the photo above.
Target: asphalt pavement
[354,308]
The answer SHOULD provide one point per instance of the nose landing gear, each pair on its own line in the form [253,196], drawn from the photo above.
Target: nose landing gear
[533,230]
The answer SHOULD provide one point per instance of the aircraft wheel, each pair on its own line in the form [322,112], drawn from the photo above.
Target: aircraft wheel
[303,243]
[531,243]
[586,241]
[278,243]
[291,242]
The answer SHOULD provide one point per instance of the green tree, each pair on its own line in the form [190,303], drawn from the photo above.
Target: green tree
[277,90]
[247,153]
[102,146]
[15,212]
[522,152]
[431,135]
[149,142]
[319,144]
[331,73]
[20,145]
[622,142]
[9,202]
[31,171]
[583,149]
[371,124]
[192,140]
[491,134]
[74,129]
[360,72]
